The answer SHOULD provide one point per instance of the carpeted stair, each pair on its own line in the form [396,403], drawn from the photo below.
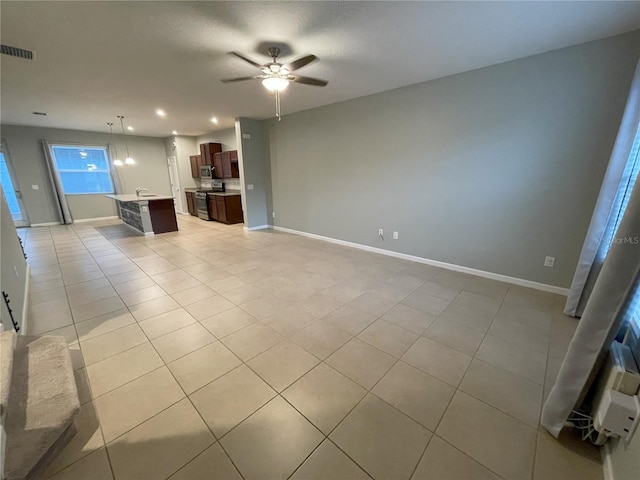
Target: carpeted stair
[40,400]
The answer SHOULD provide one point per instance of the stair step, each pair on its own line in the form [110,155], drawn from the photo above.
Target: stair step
[7,343]
[43,402]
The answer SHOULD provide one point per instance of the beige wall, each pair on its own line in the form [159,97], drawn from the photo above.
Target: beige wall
[492,169]
[28,160]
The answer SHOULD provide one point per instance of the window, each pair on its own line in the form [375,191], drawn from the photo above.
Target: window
[629,178]
[83,170]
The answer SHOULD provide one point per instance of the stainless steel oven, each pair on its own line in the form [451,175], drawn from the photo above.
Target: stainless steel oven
[201,205]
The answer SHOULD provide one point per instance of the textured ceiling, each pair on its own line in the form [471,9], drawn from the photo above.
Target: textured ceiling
[96,60]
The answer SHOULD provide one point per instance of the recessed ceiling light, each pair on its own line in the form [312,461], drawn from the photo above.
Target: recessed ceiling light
[40,113]
[160,113]
[214,120]
[174,133]
[130,128]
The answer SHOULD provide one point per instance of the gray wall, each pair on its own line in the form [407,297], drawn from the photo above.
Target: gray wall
[226,137]
[253,157]
[491,169]
[27,156]
[13,268]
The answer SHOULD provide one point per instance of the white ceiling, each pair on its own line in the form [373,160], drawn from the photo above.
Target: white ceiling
[96,60]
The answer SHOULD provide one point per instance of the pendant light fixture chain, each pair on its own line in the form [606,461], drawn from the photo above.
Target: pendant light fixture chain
[117,160]
[128,160]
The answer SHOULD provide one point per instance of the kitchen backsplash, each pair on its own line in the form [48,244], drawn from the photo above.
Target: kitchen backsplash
[233,184]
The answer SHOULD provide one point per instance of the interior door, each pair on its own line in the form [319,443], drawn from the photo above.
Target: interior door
[11,191]
[176,191]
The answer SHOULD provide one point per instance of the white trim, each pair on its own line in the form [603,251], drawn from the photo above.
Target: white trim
[259,227]
[46,224]
[448,266]
[25,301]
[95,219]
[607,463]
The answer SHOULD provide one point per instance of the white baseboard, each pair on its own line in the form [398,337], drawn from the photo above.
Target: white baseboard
[259,227]
[46,224]
[25,302]
[448,266]
[607,465]
[96,219]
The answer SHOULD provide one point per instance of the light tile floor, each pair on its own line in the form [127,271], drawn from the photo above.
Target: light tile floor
[215,352]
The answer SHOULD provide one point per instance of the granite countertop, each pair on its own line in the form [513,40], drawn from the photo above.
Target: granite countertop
[132,197]
[229,193]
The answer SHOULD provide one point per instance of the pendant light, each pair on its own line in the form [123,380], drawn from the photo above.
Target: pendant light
[117,162]
[128,160]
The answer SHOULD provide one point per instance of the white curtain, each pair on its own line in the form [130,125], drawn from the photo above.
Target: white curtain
[616,280]
[623,165]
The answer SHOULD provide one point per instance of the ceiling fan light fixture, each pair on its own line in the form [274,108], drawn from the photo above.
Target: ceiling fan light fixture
[275,84]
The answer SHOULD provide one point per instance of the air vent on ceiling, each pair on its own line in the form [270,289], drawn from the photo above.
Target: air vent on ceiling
[17,52]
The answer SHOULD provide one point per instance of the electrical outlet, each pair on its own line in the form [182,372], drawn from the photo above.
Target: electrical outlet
[250,186]
[549,261]
[35,187]
[395,235]
[380,232]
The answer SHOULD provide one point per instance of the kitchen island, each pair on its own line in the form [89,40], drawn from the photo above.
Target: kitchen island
[149,213]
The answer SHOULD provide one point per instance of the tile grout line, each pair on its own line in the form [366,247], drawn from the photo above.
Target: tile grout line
[286,338]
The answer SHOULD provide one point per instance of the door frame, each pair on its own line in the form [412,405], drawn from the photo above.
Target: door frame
[172,163]
[25,222]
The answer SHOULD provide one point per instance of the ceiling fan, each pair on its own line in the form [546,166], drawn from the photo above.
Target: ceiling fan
[280,73]
[276,76]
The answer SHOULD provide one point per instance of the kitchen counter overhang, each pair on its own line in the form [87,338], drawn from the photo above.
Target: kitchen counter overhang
[132,197]
[149,214]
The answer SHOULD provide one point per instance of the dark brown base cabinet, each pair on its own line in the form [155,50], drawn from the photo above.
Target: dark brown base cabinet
[191,204]
[163,216]
[225,208]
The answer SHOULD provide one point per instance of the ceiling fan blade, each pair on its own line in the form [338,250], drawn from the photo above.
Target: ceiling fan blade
[308,80]
[299,63]
[239,79]
[246,59]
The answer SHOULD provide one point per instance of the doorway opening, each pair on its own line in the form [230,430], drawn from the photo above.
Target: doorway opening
[11,191]
[174,178]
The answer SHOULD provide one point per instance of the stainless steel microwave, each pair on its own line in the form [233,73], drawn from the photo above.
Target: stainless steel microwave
[206,171]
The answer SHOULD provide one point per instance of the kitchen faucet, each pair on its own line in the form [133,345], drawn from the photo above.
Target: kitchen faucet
[139,190]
